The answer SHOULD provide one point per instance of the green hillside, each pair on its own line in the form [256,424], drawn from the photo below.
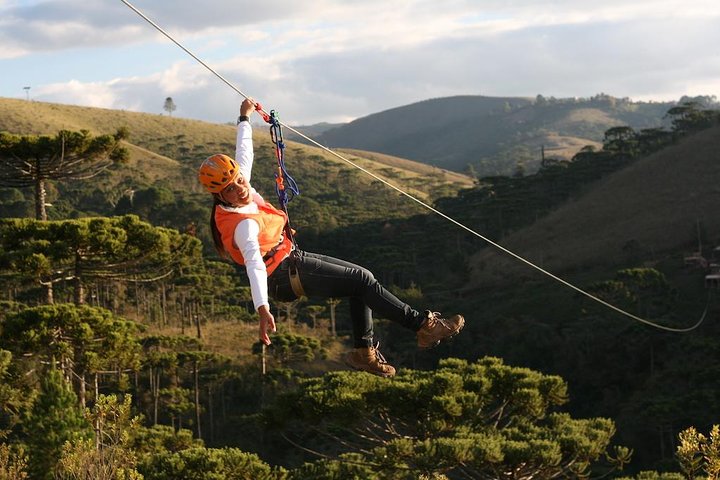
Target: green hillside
[493,135]
[663,204]
[612,238]
[616,224]
[617,221]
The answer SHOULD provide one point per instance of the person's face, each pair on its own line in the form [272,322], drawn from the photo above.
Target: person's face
[237,192]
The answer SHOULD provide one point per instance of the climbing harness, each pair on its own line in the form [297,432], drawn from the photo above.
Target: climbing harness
[416,200]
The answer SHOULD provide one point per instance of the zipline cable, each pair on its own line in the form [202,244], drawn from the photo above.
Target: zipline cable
[429,207]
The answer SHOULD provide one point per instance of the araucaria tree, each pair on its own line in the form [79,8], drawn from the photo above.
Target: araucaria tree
[91,249]
[482,420]
[31,160]
[82,340]
[169,106]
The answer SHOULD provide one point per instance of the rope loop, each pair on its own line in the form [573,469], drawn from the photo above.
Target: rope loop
[285,186]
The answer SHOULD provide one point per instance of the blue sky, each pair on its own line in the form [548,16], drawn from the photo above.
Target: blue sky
[336,60]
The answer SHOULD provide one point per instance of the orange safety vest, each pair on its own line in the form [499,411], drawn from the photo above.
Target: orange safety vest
[274,245]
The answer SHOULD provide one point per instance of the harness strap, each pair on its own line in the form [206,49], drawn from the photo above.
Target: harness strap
[271,253]
[293,273]
[295,282]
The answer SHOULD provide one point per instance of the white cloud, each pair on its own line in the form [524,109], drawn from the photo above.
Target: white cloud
[343,59]
[99,95]
[76,23]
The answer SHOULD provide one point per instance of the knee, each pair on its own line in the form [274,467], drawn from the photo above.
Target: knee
[365,275]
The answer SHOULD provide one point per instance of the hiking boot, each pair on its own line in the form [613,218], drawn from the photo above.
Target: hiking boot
[435,329]
[370,360]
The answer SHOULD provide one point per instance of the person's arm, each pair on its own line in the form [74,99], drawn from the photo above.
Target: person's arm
[246,239]
[244,142]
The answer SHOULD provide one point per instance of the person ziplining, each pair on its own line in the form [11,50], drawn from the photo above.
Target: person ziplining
[372,353]
[253,233]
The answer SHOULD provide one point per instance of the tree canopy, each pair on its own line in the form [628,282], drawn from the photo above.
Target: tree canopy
[89,249]
[482,419]
[31,160]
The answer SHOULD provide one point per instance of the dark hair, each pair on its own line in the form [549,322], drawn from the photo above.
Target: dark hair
[217,238]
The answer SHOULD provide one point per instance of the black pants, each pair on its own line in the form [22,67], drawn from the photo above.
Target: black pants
[328,277]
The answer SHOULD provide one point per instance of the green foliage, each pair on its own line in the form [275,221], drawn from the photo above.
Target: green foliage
[30,160]
[8,307]
[68,154]
[81,461]
[698,457]
[147,441]
[200,463]
[13,463]
[643,290]
[348,466]
[176,401]
[83,339]
[412,295]
[89,249]
[108,456]
[698,453]
[146,201]
[690,116]
[12,398]
[288,348]
[53,419]
[650,475]
[14,204]
[485,419]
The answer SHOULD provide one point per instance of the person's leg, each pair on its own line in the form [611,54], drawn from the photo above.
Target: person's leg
[326,276]
[330,277]
[362,324]
[321,279]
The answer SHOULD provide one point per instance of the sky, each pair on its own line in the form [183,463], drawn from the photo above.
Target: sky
[337,60]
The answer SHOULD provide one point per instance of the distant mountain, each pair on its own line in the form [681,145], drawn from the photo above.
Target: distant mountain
[493,135]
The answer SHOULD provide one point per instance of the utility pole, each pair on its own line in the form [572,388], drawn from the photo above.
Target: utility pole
[27,93]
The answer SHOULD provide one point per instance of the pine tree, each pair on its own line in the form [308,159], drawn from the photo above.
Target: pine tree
[92,249]
[83,339]
[30,160]
[109,456]
[54,419]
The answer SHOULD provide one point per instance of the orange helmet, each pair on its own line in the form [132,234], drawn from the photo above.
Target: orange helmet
[217,171]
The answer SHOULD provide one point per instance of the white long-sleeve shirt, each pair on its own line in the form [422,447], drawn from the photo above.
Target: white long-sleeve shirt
[247,231]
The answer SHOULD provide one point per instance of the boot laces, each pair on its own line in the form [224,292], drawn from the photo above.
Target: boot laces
[378,355]
[434,318]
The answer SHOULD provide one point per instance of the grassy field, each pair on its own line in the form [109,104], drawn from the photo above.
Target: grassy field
[235,340]
[159,145]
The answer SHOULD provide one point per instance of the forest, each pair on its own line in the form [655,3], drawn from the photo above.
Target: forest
[128,348]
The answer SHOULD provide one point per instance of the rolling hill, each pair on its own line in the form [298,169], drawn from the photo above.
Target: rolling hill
[165,152]
[649,210]
[167,139]
[493,135]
